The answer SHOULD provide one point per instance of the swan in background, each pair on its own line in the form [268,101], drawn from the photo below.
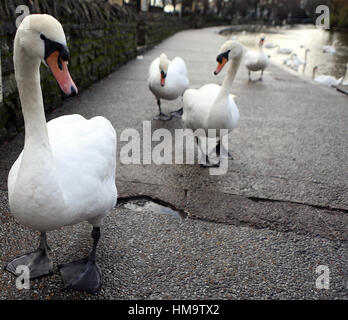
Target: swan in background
[212,106]
[256,60]
[345,79]
[329,80]
[270,45]
[167,80]
[294,62]
[283,50]
[66,171]
[330,49]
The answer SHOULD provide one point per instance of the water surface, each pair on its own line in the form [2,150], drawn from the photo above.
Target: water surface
[299,38]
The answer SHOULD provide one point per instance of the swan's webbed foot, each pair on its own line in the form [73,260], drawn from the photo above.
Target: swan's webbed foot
[163,117]
[177,113]
[81,275]
[38,261]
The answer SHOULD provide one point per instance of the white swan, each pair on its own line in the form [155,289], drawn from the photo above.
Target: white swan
[270,45]
[330,49]
[294,62]
[283,50]
[167,80]
[256,60]
[66,171]
[212,106]
[329,80]
[345,78]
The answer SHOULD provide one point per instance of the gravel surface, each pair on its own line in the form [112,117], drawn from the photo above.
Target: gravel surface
[144,255]
[278,213]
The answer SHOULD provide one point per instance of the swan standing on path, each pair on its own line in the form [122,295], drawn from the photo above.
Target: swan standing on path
[66,171]
[212,106]
[256,60]
[329,80]
[167,80]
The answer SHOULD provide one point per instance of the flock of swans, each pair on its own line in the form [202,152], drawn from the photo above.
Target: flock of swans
[66,171]
[294,62]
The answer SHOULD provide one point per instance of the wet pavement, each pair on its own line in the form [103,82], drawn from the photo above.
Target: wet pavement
[258,231]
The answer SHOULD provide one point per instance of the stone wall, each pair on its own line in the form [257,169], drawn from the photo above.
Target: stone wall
[154,27]
[101,37]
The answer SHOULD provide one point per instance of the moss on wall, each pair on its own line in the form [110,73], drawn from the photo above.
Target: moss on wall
[101,37]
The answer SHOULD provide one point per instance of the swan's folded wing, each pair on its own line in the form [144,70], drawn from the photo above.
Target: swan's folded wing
[154,68]
[84,153]
[178,65]
[197,105]
[251,58]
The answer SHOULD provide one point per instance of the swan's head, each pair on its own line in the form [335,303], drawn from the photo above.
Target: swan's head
[262,40]
[229,50]
[42,37]
[163,66]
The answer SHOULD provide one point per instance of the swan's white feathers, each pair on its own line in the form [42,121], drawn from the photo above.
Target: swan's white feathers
[84,160]
[256,60]
[197,109]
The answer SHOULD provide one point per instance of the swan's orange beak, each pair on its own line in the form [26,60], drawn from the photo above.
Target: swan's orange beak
[60,71]
[163,81]
[220,65]
[163,78]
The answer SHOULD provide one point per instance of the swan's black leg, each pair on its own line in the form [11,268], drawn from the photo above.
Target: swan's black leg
[83,274]
[161,115]
[38,261]
[220,147]
[249,75]
[261,75]
[206,163]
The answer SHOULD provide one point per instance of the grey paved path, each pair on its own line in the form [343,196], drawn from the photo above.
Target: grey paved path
[260,231]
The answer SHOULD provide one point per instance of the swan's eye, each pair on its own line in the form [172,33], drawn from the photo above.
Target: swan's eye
[60,66]
[43,37]
[220,57]
[163,74]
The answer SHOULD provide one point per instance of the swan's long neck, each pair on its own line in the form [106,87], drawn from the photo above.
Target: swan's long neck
[28,81]
[37,166]
[229,78]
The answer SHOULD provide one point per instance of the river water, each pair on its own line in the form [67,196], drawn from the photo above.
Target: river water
[298,38]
